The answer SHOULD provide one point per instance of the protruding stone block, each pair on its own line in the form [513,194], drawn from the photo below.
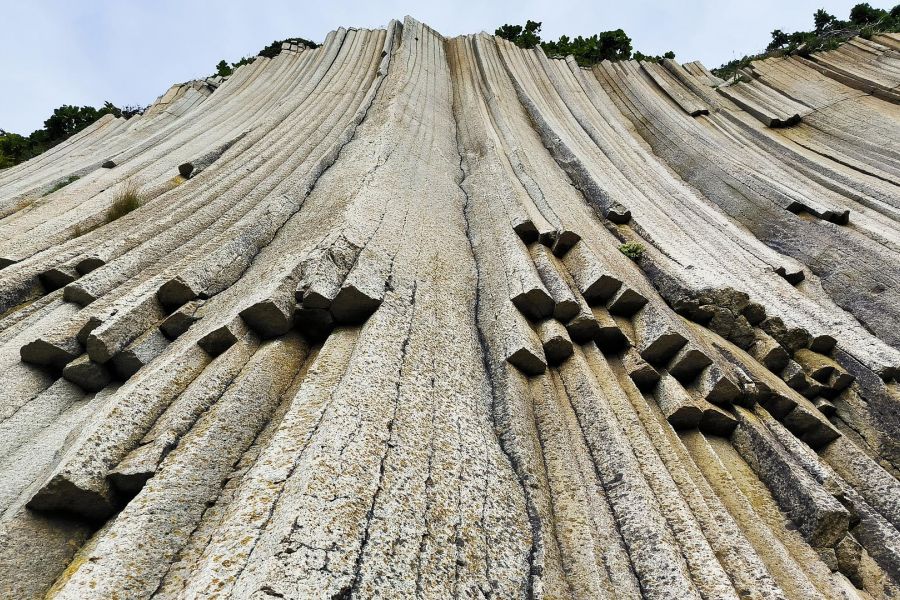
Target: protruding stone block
[86,374]
[825,407]
[810,425]
[131,475]
[687,364]
[176,292]
[550,270]
[840,380]
[88,264]
[61,494]
[353,305]
[271,317]
[584,327]
[793,276]
[676,403]
[791,338]
[57,277]
[641,373]
[181,320]
[813,388]
[716,421]
[742,333]
[618,213]
[555,341]
[754,313]
[564,241]
[185,170]
[626,302]
[528,361]
[715,385]
[657,340]
[52,354]
[794,376]
[139,353]
[223,337]
[609,337]
[526,231]
[823,344]
[323,272]
[593,281]
[534,303]
[769,352]
[848,553]
[819,517]
[816,365]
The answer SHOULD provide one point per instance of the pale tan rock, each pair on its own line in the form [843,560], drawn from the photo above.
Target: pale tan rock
[378,337]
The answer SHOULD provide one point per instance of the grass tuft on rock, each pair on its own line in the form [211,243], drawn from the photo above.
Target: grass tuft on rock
[62,184]
[632,250]
[126,200]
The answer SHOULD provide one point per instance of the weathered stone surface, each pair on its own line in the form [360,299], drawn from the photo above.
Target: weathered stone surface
[680,410]
[139,353]
[378,338]
[181,319]
[609,336]
[87,374]
[821,519]
[687,363]
[565,307]
[555,341]
[657,339]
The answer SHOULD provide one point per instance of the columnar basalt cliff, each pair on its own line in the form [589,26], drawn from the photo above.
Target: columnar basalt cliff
[412,316]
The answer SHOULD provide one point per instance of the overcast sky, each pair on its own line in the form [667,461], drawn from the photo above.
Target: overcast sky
[55,52]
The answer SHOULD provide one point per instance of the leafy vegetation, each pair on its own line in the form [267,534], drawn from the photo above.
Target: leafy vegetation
[126,200]
[224,69]
[528,36]
[632,250]
[65,121]
[606,45]
[645,58]
[68,120]
[828,33]
[62,184]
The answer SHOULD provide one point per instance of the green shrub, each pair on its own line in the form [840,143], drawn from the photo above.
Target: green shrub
[224,69]
[126,200]
[828,33]
[632,250]
[640,56]
[274,49]
[865,14]
[528,36]
[606,45]
[65,121]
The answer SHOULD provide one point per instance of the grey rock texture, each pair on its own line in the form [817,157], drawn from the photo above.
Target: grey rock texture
[376,339]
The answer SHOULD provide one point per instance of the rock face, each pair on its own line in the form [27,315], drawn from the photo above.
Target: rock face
[370,334]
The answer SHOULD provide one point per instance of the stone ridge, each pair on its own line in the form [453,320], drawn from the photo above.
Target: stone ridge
[412,316]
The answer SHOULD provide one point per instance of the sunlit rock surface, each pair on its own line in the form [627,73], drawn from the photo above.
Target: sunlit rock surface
[370,332]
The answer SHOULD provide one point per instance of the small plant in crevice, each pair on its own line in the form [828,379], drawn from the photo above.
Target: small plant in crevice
[82,230]
[126,200]
[632,250]
[62,184]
